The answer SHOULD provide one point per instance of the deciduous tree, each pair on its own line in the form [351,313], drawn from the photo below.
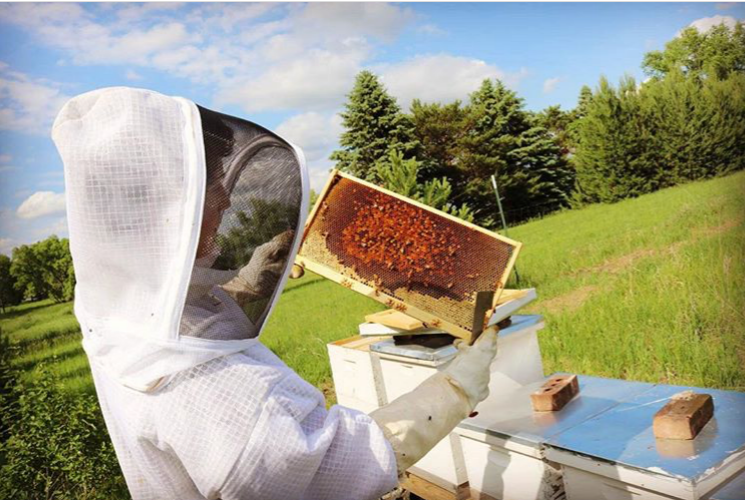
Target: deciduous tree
[714,53]
[44,269]
[400,175]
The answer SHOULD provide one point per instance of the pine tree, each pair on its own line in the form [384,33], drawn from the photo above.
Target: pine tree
[619,144]
[374,126]
[635,140]
[700,125]
[557,122]
[583,102]
[438,129]
[506,141]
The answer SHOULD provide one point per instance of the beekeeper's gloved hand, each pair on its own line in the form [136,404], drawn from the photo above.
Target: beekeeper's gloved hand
[259,278]
[470,368]
[418,420]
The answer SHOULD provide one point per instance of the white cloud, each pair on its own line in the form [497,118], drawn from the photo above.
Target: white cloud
[27,105]
[431,29]
[341,20]
[132,75]
[134,46]
[725,5]
[550,84]
[706,23]
[41,203]
[209,64]
[456,78]
[225,16]
[304,56]
[315,133]
[6,246]
[57,227]
[264,30]
[72,28]
[138,12]
[316,81]
[319,174]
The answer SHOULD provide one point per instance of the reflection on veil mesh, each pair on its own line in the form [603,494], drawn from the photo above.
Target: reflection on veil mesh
[250,222]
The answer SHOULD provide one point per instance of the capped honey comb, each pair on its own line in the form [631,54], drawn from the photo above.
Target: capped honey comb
[423,262]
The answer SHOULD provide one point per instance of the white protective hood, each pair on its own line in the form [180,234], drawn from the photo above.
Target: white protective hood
[135,175]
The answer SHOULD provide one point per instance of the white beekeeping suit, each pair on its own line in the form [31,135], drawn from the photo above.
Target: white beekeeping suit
[183,225]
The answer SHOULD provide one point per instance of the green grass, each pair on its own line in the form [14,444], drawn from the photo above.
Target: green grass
[648,289]
[45,332]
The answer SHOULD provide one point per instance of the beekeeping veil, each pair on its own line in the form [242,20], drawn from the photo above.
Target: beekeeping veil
[183,226]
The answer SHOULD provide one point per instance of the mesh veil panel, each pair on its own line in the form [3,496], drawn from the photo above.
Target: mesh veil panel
[250,222]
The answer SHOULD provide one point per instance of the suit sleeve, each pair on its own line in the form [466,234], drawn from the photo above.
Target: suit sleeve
[300,450]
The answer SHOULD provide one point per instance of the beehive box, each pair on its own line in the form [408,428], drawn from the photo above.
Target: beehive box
[402,253]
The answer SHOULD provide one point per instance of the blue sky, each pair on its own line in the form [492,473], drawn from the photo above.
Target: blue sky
[289,66]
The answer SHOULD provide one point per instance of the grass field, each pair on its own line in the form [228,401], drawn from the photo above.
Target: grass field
[647,289]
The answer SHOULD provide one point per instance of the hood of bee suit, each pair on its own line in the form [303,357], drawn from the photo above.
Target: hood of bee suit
[183,224]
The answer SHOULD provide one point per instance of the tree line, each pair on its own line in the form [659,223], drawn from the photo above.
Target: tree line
[686,122]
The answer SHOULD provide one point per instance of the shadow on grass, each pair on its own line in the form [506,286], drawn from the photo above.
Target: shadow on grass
[56,358]
[18,311]
[302,285]
[56,335]
[83,371]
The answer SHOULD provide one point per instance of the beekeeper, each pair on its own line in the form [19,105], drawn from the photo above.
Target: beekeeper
[184,224]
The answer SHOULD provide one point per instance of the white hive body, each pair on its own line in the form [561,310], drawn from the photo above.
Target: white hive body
[184,224]
[372,371]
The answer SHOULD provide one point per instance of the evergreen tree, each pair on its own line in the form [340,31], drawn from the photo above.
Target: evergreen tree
[635,140]
[615,141]
[504,140]
[725,100]
[438,129]
[557,122]
[374,126]
[583,102]
[577,114]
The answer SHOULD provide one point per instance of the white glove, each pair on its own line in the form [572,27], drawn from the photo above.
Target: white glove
[258,279]
[470,368]
[264,270]
[415,422]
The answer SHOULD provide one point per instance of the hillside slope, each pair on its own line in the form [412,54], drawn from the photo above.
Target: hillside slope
[647,289]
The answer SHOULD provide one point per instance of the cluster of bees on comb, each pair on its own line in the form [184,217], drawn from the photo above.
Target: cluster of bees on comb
[401,238]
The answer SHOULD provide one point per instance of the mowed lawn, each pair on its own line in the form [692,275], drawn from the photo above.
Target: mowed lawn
[648,289]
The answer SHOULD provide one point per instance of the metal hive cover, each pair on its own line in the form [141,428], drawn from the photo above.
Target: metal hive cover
[404,254]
